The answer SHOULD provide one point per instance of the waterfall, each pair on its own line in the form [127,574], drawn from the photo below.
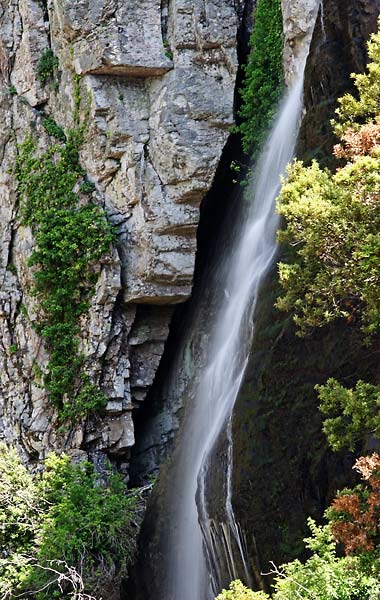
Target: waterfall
[193,564]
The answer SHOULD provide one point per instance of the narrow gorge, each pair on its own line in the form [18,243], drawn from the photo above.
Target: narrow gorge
[160,426]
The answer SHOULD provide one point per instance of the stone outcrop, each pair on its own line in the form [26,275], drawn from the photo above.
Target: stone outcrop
[156,80]
[298,19]
[176,388]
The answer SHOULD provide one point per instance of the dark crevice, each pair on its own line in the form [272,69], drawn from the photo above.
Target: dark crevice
[214,211]
[164,19]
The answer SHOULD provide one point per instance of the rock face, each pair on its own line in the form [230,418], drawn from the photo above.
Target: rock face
[298,19]
[156,80]
[177,387]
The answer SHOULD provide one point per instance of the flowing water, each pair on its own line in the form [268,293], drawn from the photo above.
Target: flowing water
[195,540]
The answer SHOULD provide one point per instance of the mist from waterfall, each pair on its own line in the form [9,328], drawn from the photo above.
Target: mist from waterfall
[193,563]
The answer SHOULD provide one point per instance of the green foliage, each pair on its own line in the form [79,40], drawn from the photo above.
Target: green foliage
[47,66]
[333,221]
[351,412]
[63,519]
[87,187]
[354,111]
[263,83]
[12,90]
[324,576]
[332,226]
[54,129]
[238,591]
[71,237]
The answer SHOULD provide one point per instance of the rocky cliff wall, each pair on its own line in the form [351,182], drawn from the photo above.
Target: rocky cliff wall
[156,79]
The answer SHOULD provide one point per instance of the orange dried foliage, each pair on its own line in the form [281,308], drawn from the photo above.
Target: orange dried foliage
[356,521]
[356,143]
[369,468]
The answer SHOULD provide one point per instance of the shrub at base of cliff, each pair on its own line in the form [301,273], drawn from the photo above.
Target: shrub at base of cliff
[238,591]
[355,524]
[63,533]
[324,576]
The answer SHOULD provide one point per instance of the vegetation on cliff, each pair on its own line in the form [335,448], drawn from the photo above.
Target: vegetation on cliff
[64,533]
[354,522]
[333,224]
[71,236]
[263,82]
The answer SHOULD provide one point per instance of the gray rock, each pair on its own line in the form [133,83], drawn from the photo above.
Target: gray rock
[157,81]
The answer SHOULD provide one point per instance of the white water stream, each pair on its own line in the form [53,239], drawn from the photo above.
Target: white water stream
[194,537]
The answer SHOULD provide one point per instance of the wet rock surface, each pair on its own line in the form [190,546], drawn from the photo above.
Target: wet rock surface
[338,49]
[284,470]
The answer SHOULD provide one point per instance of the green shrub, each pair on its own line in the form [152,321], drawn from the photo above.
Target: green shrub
[324,576]
[333,242]
[263,82]
[54,129]
[238,591]
[333,221]
[47,66]
[351,412]
[65,528]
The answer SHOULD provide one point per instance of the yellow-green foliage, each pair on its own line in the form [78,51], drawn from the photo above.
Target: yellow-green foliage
[333,221]
[324,576]
[351,412]
[238,591]
[353,111]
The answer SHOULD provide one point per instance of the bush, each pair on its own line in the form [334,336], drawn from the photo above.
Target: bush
[47,66]
[63,530]
[333,245]
[351,412]
[333,220]
[238,591]
[324,576]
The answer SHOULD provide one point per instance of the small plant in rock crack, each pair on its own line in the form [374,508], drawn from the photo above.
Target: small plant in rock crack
[47,66]
[53,129]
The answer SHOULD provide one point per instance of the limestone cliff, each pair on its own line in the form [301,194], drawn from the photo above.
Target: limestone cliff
[157,81]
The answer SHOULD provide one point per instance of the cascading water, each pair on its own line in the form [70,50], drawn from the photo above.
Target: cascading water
[193,569]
